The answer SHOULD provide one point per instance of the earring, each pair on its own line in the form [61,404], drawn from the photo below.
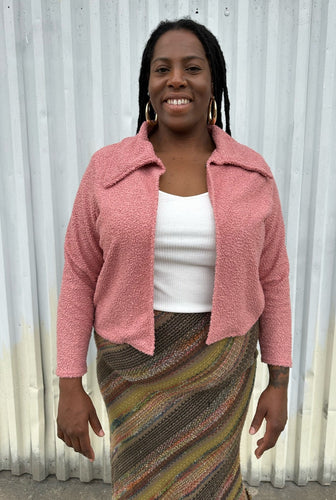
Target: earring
[212,111]
[147,115]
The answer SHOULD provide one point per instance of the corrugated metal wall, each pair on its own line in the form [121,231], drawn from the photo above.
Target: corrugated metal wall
[68,85]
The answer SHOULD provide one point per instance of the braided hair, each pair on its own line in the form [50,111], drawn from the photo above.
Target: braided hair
[215,58]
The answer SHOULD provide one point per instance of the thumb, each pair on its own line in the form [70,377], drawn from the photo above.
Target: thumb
[95,423]
[257,420]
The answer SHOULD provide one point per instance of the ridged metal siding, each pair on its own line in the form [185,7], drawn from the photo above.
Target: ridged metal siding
[68,85]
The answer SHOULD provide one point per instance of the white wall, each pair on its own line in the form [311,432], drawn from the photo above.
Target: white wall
[68,85]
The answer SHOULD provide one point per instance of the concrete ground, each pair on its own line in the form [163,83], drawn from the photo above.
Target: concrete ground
[24,488]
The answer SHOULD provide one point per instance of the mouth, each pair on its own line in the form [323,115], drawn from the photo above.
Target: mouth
[178,102]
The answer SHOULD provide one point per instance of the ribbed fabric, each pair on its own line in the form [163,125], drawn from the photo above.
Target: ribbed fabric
[185,253]
[176,417]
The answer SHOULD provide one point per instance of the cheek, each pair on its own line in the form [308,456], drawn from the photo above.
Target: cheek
[205,88]
[150,84]
[152,90]
[207,94]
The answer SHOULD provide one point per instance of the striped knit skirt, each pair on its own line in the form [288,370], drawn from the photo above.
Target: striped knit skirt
[176,417]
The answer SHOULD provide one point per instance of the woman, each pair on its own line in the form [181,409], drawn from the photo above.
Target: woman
[183,220]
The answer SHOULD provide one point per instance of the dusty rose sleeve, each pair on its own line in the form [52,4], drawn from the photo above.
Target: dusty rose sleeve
[275,321]
[83,261]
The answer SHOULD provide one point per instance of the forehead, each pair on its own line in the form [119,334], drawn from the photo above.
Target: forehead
[178,44]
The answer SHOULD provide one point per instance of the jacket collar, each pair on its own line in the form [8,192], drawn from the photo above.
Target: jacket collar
[135,152]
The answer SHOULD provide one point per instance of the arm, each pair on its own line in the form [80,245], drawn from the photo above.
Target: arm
[275,321]
[272,406]
[83,261]
[75,411]
[275,328]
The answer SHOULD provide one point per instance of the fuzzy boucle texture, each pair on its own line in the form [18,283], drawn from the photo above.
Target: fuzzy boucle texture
[109,252]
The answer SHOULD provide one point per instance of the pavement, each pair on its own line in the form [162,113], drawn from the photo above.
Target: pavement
[25,488]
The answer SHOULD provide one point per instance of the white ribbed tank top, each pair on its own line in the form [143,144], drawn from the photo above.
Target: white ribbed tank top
[185,253]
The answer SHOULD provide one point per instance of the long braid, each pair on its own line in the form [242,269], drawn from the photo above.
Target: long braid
[215,58]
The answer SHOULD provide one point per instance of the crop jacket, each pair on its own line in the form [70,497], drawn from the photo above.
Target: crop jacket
[108,278]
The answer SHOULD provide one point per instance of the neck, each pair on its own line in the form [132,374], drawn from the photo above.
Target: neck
[195,140]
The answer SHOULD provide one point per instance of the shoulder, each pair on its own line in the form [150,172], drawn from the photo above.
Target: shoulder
[229,151]
[108,153]
[116,161]
[112,162]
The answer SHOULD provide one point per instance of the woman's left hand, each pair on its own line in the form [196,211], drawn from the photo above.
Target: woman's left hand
[272,406]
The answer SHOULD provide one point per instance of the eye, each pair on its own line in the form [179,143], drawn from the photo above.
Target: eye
[193,69]
[162,69]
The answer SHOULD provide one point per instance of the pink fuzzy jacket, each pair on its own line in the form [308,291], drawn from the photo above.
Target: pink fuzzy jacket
[109,252]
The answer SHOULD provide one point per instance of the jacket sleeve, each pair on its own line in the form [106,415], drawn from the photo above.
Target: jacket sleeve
[275,321]
[83,262]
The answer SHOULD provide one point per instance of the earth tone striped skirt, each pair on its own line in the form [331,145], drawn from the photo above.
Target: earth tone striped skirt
[176,417]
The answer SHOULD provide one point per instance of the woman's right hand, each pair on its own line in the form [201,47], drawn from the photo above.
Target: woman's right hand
[75,412]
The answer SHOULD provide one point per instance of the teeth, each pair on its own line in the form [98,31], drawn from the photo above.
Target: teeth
[178,102]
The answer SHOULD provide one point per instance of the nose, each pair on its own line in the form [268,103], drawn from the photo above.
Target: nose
[176,78]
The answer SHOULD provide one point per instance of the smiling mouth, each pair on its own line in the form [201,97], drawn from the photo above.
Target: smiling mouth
[178,102]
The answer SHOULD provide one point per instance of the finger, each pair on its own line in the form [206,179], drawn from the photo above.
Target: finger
[76,445]
[67,441]
[261,449]
[268,441]
[257,420]
[60,434]
[95,424]
[64,438]
[258,451]
[86,448]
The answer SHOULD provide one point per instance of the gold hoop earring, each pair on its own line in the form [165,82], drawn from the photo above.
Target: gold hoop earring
[212,111]
[147,115]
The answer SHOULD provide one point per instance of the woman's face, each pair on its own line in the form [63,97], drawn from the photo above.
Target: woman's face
[180,82]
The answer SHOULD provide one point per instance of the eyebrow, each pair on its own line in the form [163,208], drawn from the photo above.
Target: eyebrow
[187,58]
